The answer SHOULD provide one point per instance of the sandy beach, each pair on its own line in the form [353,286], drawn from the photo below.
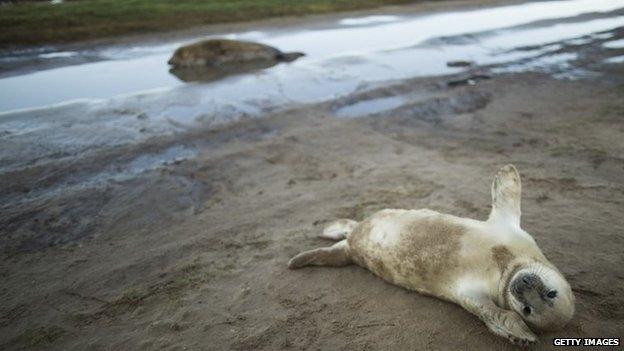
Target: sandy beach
[100,252]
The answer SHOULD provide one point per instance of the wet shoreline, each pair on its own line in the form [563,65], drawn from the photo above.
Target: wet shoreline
[144,223]
[483,35]
[51,152]
[90,51]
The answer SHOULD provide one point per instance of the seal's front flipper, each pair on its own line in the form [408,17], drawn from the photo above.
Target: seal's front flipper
[505,323]
[506,193]
[334,256]
[339,229]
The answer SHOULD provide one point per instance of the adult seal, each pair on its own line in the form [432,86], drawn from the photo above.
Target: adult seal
[492,268]
[219,52]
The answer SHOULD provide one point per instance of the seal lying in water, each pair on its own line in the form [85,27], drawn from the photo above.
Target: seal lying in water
[492,268]
[217,52]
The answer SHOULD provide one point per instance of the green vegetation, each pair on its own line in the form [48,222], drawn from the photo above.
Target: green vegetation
[39,22]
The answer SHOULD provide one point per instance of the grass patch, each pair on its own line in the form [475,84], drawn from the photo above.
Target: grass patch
[39,22]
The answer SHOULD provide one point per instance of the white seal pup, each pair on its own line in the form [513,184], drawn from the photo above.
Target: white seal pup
[492,268]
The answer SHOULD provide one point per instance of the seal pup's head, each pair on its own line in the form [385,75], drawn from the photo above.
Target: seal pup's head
[542,296]
[535,290]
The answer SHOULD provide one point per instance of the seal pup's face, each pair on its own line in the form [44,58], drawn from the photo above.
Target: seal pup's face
[542,297]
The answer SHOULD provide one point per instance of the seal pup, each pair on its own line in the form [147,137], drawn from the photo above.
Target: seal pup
[491,268]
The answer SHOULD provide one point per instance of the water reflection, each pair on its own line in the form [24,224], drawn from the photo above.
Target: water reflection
[211,73]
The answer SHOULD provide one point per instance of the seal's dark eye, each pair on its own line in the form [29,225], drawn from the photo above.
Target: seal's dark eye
[552,294]
[526,310]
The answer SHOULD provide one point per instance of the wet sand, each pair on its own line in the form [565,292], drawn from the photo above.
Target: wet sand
[106,252]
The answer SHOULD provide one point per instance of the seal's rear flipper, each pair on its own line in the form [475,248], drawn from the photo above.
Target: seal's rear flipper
[338,230]
[288,56]
[334,256]
[506,192]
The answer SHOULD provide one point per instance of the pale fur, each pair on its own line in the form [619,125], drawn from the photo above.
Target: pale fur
[338,230]
[465,261]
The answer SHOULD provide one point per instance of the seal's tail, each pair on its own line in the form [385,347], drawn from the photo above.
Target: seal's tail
[338,230]
[336,255]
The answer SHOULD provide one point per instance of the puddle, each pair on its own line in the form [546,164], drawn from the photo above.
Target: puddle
[614,44]
[58,54]
[89,81]
[549,64]
[615,59]
[579,41]
[602,36]
[436,108]
[369,107]
[368,20]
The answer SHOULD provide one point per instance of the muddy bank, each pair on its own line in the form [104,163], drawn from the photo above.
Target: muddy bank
[192,254]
